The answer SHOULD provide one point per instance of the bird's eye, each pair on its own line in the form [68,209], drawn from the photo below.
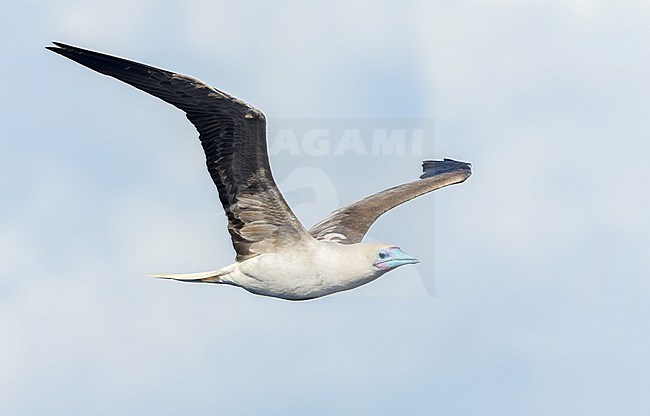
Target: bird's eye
[382,255]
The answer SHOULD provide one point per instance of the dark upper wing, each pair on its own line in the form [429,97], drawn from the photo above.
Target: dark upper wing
[233,135]
[349,224]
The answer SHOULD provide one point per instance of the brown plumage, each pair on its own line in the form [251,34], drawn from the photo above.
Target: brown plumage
[348,225]
[233,136]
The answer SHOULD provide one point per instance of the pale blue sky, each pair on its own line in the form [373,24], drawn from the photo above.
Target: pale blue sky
[540,304]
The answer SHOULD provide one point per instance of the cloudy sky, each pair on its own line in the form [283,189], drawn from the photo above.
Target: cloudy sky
[533,293]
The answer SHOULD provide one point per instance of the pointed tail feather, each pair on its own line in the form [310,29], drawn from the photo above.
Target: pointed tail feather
[208,277]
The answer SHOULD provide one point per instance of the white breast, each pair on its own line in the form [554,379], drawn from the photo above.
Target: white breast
[306,272]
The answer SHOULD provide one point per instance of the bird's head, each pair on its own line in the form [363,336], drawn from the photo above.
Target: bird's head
[388,257]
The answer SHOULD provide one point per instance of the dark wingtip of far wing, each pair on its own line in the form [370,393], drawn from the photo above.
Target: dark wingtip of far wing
[438,167]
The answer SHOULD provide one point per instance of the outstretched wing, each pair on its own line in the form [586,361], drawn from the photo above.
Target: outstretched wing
[233,135]
[349,224]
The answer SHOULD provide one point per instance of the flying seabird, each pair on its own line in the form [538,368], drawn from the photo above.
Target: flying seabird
[276,256]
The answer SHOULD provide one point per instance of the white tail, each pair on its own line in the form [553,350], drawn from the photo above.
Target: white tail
[209,277]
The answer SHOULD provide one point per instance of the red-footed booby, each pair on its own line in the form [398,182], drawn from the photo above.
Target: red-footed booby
[276,256]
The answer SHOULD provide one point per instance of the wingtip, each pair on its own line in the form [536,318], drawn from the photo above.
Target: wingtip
[58,47]
[436,167]
[65,49]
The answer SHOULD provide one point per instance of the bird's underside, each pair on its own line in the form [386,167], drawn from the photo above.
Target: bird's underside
[261,224]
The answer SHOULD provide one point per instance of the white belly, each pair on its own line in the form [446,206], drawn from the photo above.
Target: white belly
[290,276]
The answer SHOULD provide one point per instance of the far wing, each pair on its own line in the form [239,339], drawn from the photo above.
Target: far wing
[349,224]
